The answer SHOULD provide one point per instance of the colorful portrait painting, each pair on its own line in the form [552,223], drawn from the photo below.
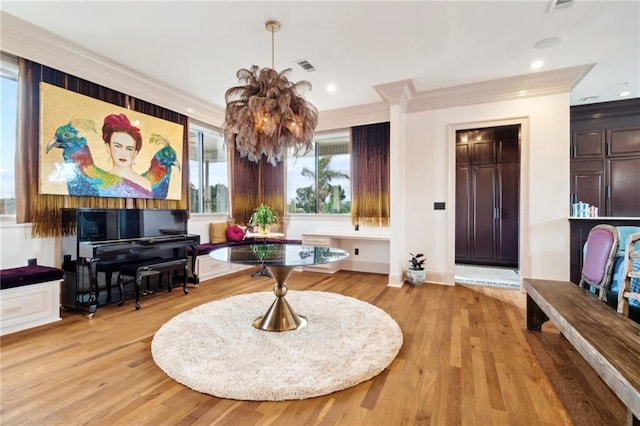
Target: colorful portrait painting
[93,148]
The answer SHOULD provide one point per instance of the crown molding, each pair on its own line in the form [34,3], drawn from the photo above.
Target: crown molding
[606,109]
[397,93]
[342,118]
[28,41]
[502,89]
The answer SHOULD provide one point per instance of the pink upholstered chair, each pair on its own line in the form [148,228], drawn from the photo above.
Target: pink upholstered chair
[601,248]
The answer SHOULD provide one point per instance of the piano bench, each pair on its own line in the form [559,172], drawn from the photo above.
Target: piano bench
[146,268]
[111,266]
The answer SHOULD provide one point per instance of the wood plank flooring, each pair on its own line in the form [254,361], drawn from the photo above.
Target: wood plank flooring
[467,359]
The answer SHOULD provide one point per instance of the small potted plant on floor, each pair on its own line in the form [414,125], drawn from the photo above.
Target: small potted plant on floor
[416,273]
[264,216]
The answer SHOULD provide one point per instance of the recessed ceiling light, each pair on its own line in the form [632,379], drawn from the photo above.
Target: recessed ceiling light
[546,43]
[522,92]
[331,88]
[625,93]
[537,64]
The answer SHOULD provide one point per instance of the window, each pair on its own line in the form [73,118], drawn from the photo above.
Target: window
[208,170]
[319,182]
[9,113]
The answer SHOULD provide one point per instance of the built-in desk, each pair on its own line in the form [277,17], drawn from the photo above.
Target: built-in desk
[367,252]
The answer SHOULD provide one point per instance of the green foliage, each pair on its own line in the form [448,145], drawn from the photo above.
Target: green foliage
[305,200]
[416,261]
[329,198]
[263,216]
[216,202]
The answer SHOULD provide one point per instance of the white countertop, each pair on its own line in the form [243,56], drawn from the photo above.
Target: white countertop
[349,235]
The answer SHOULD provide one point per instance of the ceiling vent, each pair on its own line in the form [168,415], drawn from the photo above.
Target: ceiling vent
[305,65]
[560,4]
[589,98]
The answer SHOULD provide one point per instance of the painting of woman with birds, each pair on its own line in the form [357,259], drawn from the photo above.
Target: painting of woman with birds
[120,162]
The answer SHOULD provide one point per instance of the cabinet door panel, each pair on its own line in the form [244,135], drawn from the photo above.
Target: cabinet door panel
[483,152]
[624,187]
[588,144]
[463,218]
[462,154]
[509,151]
[588,187]
[624,141]
[484,184]
[509,213]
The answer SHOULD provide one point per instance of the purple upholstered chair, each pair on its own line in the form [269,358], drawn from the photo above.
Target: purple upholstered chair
[601,248]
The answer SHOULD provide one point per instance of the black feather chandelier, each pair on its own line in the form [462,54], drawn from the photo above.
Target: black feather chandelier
[266,114]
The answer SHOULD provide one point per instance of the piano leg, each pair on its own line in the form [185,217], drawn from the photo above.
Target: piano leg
[121,288]
[93,288]
[185,279]
[138,287]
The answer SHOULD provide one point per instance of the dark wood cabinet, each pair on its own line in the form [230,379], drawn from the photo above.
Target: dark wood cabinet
[623,186]
[605,157]
[487,196]
[589,144]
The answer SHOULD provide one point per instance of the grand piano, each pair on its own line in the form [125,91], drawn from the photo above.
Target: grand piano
[111,244]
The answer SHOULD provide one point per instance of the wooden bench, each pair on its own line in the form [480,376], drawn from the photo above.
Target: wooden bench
[607,340]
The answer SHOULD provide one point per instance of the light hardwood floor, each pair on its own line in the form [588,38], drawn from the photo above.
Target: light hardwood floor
[466,359]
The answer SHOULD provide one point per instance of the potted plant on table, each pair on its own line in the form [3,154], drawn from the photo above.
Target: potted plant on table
[416,273]
[264,216]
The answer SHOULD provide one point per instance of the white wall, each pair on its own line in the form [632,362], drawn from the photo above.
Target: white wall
[430,171]
[17,246]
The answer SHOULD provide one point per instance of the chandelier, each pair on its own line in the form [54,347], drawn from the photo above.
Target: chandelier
[266,114]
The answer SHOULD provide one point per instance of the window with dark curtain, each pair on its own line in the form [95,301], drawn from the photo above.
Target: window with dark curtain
[45,210]
[370,174]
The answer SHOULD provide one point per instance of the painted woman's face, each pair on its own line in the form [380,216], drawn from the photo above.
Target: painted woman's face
[122,149]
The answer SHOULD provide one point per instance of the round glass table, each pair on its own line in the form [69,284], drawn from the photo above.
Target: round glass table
[280,259]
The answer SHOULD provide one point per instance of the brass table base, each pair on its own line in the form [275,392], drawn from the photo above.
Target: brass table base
[280,316]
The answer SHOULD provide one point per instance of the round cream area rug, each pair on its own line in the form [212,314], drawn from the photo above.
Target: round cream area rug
[214,348]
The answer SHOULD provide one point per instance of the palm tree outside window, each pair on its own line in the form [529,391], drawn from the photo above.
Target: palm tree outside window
[319,182]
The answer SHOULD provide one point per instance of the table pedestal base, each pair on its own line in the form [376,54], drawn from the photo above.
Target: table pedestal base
[280,316]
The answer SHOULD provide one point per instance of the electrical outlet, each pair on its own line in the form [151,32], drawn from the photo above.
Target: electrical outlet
[356,252]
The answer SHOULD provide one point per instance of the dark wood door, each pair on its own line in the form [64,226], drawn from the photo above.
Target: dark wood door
[484,224]
[624,187]
[463,208]
[487,196]
[508,213]
[588,187]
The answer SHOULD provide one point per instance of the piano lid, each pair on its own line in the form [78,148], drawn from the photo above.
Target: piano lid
[118,224]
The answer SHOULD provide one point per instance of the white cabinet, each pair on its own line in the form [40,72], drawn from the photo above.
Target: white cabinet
[367,253]
[207,268]
[29,306]
[320,241]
